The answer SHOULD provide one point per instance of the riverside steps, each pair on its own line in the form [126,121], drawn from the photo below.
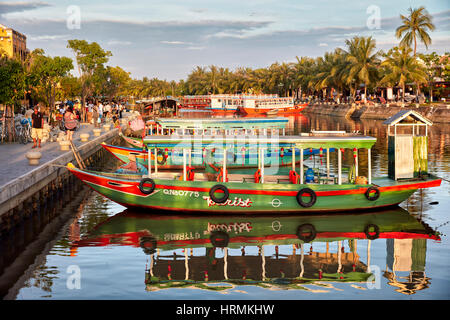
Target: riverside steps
[25,188]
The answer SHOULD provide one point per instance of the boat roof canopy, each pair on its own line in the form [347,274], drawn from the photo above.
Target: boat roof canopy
[230,141]
[407,117]
[221,123]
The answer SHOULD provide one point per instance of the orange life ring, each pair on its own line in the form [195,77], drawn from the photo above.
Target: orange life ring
[257,176]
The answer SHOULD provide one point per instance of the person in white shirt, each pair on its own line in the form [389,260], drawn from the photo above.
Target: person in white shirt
[106,109]
[100,111]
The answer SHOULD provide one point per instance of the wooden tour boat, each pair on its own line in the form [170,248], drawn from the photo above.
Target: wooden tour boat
[263,192]
[242,103]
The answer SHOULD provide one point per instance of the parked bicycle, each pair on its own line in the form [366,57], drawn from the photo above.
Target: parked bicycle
[3,134]
[23,132]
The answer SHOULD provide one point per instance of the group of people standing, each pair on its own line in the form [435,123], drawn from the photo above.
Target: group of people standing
[67,116]
[103,111]
[35,117]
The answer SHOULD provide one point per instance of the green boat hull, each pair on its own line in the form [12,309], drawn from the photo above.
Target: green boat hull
[197,196]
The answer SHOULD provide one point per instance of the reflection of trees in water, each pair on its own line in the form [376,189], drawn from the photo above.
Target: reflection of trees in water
[92,211]
[95,211]
[42,278]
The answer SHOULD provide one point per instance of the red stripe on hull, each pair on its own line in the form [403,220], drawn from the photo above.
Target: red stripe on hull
[132,238]
[103,181]
[266,212]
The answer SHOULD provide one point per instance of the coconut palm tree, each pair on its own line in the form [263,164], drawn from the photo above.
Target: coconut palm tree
[197,81]
[362,61]
[303,73]
[414,26]
[402,67]
[213,75]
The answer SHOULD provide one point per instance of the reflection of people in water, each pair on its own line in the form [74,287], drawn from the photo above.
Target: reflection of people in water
[132,167]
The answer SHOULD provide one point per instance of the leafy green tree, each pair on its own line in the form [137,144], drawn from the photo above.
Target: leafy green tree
[114,82]
[47,73]
[12,89]
[433,69]
[70,87]
[445,62]
[90,58]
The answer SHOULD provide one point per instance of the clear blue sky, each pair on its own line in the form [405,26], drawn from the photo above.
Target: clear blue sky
[169,38]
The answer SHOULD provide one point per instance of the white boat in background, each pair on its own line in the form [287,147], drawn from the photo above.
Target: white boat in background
[241,103]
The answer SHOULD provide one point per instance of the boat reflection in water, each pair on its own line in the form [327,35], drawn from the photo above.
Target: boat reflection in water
[219,253]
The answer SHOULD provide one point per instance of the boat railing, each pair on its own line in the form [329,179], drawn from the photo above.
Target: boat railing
[315,133]
[326,143]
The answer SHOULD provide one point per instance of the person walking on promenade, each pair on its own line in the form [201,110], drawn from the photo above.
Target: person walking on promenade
[37,125]
[95,115]
[70,122]
[120,111]
[100,111]
[106,109]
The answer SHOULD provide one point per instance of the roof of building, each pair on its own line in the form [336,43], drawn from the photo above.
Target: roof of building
[407,116]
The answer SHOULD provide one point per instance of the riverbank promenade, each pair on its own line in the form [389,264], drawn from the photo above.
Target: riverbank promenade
[19,179]
[436,114]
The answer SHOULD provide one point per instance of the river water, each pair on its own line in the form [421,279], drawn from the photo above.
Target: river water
[97,249]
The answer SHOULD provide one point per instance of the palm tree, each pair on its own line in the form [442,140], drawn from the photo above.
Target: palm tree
[213,78]
[402,67]
[362,61]
[197,81]
[415,26]
[322,77]
[303,73]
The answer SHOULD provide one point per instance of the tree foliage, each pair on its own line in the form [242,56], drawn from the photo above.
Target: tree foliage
[46,75]
[415,26]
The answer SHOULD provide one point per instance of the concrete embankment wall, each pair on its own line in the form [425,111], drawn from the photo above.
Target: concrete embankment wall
[24,195]
[439,114]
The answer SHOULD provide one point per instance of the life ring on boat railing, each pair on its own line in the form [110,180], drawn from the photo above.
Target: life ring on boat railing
[161,154]
[306,232]
[311,194]
[217,199]
[369,190]
[372,235]
[148,244]
[147,180]
[219,239]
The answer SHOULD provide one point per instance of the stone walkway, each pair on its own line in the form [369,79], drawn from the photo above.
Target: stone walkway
[14,163]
